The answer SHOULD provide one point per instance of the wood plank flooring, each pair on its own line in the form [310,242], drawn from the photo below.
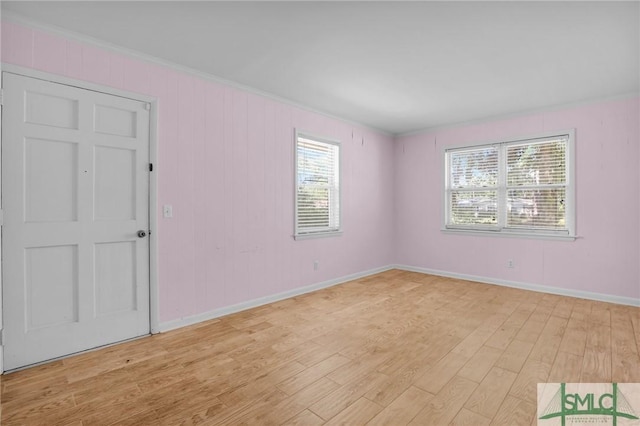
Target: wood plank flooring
[395,348]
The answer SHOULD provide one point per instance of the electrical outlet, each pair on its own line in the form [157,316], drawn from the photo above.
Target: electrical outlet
[510,263]
[167,211]
[315,265]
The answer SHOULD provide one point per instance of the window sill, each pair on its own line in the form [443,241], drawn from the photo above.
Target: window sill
[317,235]
[521,235]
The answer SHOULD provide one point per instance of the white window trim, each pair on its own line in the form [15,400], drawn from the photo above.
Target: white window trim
[322,233]
[499,230]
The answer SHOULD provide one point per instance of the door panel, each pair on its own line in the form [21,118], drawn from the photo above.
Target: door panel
[75,191]
[115,277]
[115,121]
[51,286]
[115,190]
[50,179]
[50,110]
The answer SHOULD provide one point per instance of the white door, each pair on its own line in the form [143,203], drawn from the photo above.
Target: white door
[75,193]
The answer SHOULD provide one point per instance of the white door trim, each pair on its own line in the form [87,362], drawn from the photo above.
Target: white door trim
[154,305]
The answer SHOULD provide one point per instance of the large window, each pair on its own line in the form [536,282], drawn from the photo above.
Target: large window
[522,186]
[317,186]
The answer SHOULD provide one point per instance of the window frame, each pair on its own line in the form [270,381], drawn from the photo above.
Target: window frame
[500,228]
[328,231]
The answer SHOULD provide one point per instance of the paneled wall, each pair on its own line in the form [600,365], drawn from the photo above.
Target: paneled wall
[226,167]
[604,259]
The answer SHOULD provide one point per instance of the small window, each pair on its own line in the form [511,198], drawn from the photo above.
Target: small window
[317,186]
[519,187]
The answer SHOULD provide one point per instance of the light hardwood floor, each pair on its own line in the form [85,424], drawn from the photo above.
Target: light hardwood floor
[395,348]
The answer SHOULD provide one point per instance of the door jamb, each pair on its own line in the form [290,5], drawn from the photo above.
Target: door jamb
[154,300]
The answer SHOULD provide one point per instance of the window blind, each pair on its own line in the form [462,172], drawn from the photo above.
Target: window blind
[473,194]
[536,184]
[520,186]
[318,186]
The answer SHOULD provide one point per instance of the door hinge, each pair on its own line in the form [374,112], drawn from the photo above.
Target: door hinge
[1,97]
[1,336]
[150,167]
[1,217]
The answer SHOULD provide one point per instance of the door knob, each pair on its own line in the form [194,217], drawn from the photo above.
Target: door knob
[141,234]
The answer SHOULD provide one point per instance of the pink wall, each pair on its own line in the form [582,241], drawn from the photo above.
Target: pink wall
[606,257]
[226,166]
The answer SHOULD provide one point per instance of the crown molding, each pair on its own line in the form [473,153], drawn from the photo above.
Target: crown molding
[523,113]
[84,39]
[81,38]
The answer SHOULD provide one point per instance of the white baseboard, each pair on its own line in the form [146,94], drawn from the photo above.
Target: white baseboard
[216,313]
[620,300]
[205,316]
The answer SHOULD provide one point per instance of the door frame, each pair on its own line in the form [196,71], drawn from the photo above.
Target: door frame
[154,305]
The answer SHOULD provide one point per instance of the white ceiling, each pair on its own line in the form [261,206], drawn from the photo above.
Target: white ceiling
[395,66]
